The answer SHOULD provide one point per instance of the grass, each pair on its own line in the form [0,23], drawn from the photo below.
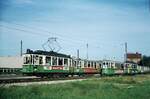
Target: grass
[128,87]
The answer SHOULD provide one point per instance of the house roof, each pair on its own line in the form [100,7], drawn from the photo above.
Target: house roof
[134,55]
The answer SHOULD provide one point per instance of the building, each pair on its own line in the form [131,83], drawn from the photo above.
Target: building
[10,64]
[134,57]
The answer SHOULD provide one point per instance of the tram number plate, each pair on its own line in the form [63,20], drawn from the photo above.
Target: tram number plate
[57,68]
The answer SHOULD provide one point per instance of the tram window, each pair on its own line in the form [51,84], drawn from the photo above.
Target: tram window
[111,64]
[75,63]
[48,60]
[100,65]
[88,64]
[35,59]
[27,60]
[40,60]
[30,59]
[80,63]
[60,61]
[94,64]
[54,60]
[24,60]
[70,64]
[134,66]
[85,63]
[66,62]
[122,66]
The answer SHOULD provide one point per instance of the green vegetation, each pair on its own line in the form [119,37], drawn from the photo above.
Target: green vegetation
[145,61]
[127,87]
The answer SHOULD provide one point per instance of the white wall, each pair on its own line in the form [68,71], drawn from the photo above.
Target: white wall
[11,62]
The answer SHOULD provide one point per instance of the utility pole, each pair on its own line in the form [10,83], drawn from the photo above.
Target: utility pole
[77,57]
[78,54]
[21,48]
[126,51]
[87,51]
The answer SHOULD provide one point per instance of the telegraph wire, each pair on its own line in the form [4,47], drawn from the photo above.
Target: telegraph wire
[30,32]
[26,31]
[60,36]
[72,41]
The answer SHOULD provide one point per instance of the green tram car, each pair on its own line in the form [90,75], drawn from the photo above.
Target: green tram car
[43,63]
[51,64]
[110,67]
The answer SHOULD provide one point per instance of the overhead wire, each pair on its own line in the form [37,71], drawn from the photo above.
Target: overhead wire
[45,31]
[39,34]
[63,38]
[30,32]
[69,42]
[27,31]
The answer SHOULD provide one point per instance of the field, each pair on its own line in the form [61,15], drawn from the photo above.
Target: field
[127,87]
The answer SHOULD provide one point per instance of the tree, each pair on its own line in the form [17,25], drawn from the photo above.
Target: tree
[145,60]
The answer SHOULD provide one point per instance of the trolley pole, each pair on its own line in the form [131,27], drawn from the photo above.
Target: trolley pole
[126,51]
[21,48]
[87,56]
[78,54]
[77,58]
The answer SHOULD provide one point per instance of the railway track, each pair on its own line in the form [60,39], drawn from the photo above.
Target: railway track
[21,79]
[31,80]
[24,79]
[17,79]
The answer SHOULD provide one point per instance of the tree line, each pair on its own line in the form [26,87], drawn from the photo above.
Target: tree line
[145,60]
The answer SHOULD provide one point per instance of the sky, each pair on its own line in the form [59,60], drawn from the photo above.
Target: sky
[104,24]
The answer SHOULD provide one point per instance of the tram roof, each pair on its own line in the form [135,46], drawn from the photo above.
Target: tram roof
[50,53]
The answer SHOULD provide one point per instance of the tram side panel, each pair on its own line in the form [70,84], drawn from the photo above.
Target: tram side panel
[39,64]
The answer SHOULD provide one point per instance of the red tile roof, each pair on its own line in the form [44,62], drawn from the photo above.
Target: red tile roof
[134,55]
